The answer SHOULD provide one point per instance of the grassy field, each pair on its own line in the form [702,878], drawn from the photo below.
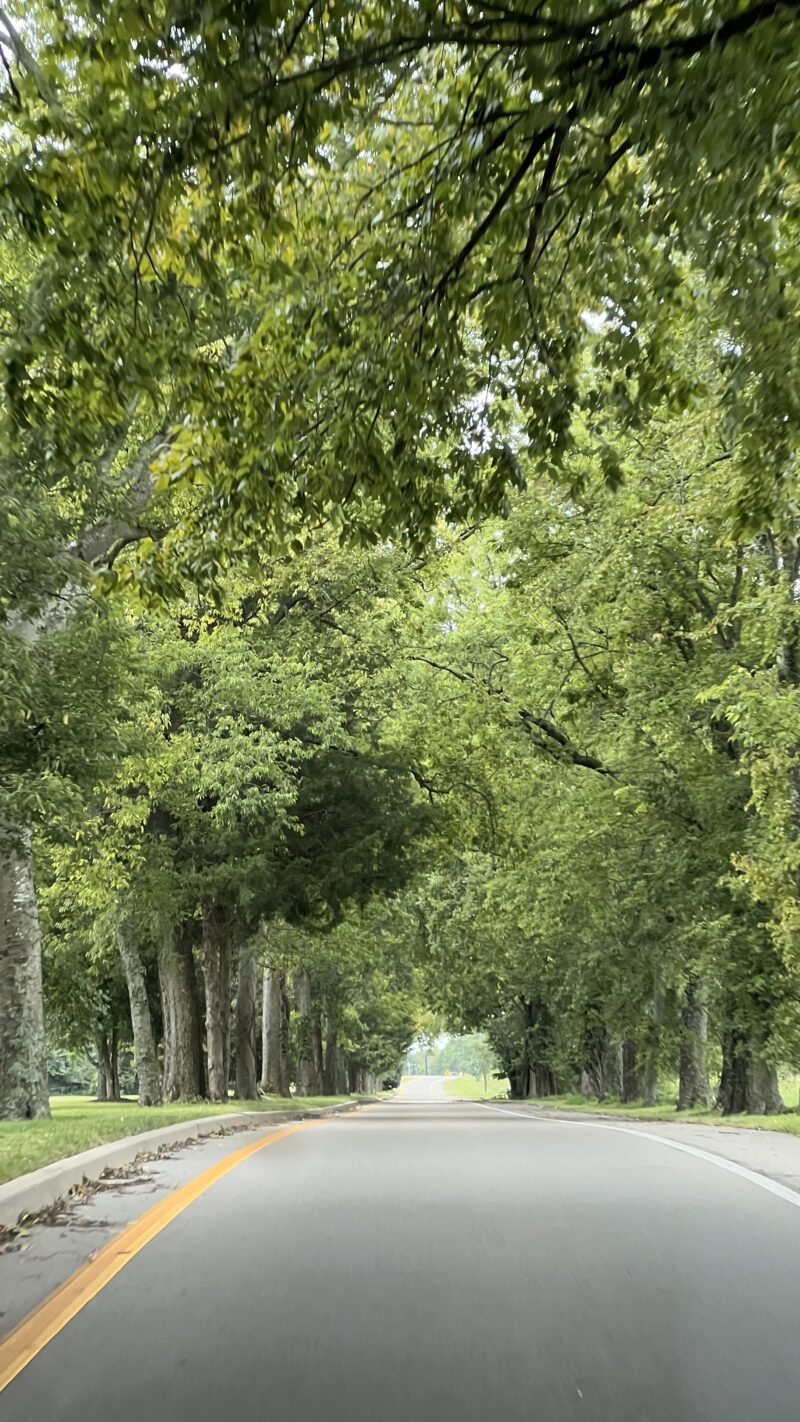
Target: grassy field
[469,1088]
[79,1122]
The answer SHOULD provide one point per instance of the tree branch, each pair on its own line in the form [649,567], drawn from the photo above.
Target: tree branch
[501,202]
[553,735]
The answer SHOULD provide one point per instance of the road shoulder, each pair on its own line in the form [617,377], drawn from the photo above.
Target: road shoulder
[39,1257]
[770,1153]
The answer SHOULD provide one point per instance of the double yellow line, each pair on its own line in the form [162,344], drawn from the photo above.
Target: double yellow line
[28,1339]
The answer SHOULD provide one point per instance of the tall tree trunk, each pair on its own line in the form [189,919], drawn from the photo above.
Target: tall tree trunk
[317,1052]
[104,1072]
[307,1080]
[144,1047]
[274,1035]
[540,1079]
[650,1080]
[732,1090]
[23,1047]
[519,1081]
[544,1081]
[108,1065]
[632,1086]
[166,987]
[652,1049]
[601,1072]
[693,1086]
[594,1037]
[217,977]
[763,1093]
[198,992]
[116,1094]
[182,1053]
[330,1074]
[246,1079]
[612,1068]
[639,1071]
[747,1083]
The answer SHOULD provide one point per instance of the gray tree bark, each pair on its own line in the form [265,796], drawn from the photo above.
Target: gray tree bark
[246,1077]
[274,1034]
[543,1081]
[114,1090]
[652,1048]
[341,1084]
[519,1080]
[317,1052]
[639,1073]
[330,1075]
[108,1066]
[103,1068]
[23,1046]
[612,1069]
[632,1085]
[182,1038]
[307,1077]
[217,978]
[693,1085]
[650,1082]
[144,1047]
[763,1093]
[601,1073]
[747,1083]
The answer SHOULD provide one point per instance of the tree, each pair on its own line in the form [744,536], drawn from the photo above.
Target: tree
[536,182]
[471,1055]
[429,1030]
[574,655]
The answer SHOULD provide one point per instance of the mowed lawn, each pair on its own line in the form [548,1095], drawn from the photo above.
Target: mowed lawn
[79,1123]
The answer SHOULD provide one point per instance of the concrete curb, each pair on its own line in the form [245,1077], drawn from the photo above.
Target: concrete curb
[28,1194]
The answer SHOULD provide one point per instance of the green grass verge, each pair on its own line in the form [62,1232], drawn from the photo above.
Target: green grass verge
[788,1124]
[469,1088]
[79,1123]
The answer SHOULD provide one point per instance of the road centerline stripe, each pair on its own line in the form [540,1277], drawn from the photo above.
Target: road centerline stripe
[44,1322]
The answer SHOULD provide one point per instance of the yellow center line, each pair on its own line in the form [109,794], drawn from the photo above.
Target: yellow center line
[33,1334]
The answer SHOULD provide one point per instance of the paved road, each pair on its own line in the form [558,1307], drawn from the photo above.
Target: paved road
[431,1261]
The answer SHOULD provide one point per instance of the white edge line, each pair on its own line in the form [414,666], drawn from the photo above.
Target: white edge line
[773,1186]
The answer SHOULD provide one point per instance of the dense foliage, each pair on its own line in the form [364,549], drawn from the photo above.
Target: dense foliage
[400,544]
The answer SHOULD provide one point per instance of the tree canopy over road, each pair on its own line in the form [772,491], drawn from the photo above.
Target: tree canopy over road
[400,544]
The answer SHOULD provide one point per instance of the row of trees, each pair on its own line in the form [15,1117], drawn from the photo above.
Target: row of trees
[216,798]
[399,517]
[541,774]
[620,680]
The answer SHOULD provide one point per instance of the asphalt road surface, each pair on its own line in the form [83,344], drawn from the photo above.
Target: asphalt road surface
[431,1261]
